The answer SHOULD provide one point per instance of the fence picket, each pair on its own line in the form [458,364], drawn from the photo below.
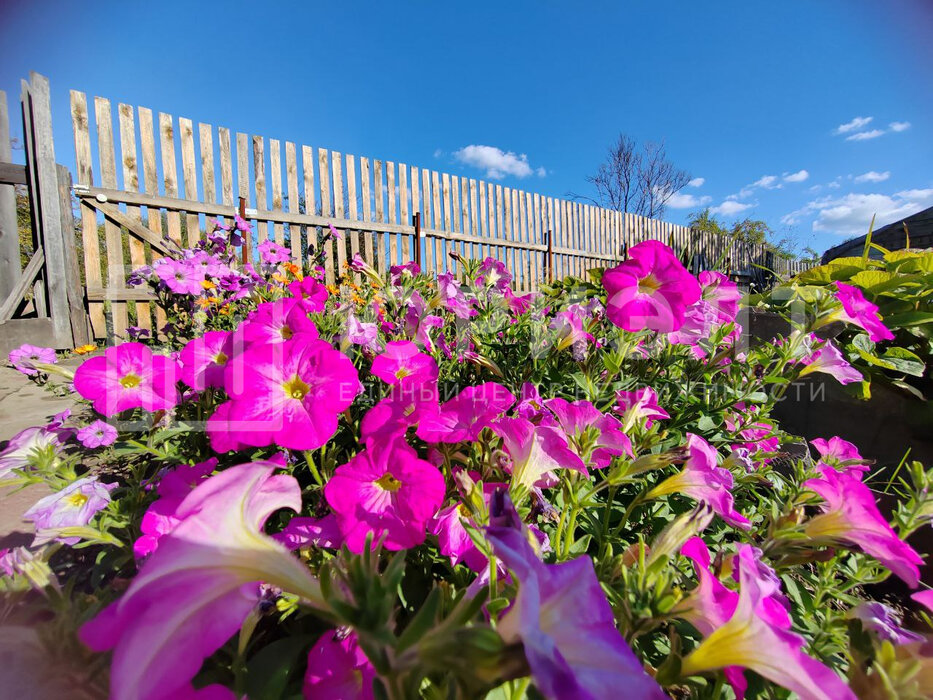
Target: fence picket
[294,204]
[189,174]
[275,167]
[131,184]
[153,218]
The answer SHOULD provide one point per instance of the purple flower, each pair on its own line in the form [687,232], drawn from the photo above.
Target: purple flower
[465,415]
[179,276]
[493,273]
[25,445]
[73,506]
[22,358]
[884,622]
[97,434]
[397,273]
[857,310]
[564,621]
[272,253]
[334,232]
[597,438]
[829,360]
[363,334]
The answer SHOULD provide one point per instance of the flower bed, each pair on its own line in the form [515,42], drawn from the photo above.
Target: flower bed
[434,487]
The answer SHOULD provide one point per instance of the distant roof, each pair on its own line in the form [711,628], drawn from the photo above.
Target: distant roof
[919,229]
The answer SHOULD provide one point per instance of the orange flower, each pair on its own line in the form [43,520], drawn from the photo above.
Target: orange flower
[281,279]
[85,349]
[333,289]
[207,284]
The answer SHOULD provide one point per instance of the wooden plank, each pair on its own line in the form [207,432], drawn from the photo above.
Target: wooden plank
[379,239]
[337,174]
[10,265]
[403,210]
[427,261]
[393,258]
[190,177]
[113,214]
[116,273]
[275,167]
[310,206]
[242,167]
[437,223]
[464,212]
[206,142]
[366,192]
[474,213]
[525,255]
[89,240]
[352,208]
[169,172]
[26,279]
[326,210]
[75,290]
[484,219]
[226,166]
[29,144]
[259,186]
[150,183]
[415,209]
[508,233]
[131,184]
[291,177]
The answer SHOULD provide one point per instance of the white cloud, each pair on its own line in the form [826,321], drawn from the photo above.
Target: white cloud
[853,125]
[730,208]
[865,135]
[850,214]
[696,182]
[687,201]
[767,182]
[798,176]
[438,153]
[899,126]
[496,162]
[834,185]
[872,176]
[815,188]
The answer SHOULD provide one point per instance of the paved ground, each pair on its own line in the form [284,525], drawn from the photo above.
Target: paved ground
[22,405]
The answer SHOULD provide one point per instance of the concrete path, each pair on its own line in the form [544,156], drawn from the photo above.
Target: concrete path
[23,404]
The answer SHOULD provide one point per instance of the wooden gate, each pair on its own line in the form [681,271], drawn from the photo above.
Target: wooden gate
[41,303]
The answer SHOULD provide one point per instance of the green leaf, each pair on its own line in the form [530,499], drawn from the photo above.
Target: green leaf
[268,672]
[904,361]
[908,318]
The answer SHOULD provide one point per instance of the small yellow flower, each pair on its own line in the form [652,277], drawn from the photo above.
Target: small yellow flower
[281,279]
[333,289]
[207,284]
[85,349]
[357,299]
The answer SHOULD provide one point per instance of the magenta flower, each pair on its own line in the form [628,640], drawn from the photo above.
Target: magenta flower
[465,415]
[828,360]
[289,394]
[884,622]
[180,276]
[518,304]
[857,310]
[402,408]
[311,532]
[640,404]
[494,274]
[97,434]
[271,253]
[851,515]
[23,357]
[400,273]
[204,359]
[651,289]
[454,540]
[73,506]
[338,668]
[385,490]
[568,327]
[403,364]
[564,622]
[536,450]
[721,292]
[362,333]
[841,454]
[276,322]
[196,590]
[310,293]
[925,598]
[703,480]
[128,376]
[531,406]
[595,437]
[160,518]
[22,448]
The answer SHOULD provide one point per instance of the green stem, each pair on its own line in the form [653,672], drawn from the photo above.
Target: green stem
[309,460]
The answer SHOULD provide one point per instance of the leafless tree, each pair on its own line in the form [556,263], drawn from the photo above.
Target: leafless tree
[636,178]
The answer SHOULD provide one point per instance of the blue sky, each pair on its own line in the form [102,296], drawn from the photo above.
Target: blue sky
[765,104]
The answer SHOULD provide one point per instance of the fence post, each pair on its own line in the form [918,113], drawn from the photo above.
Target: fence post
[10,267]
[416,222]
[74,289]
[246,239]
[550,258]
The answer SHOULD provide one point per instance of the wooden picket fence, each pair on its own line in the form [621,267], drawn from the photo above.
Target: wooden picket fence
[292,192]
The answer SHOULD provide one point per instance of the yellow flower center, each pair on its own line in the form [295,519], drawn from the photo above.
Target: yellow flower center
[295,388]
[220,359]
[401,373]
[76,500]
[649,284]
[387,482]
[286,332]
[130,381]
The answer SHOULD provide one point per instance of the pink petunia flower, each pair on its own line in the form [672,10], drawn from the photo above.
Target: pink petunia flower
[276,322]
[493,273]
[128,376]
[828,360]
[721,292]
[289,394]
[306,532]
[454,540]
[338,668]
[702,479]
[465,415]
[536,450]
[361,333]
[841,454]
[97,434]
[595,437]
[204,360]
[885,622]
[385,490]
[403,364]
[851,515]
[403,408]
[311,294]
[564,622]
[22,448]
[73,506]
[857,310]
[651,289]
[23,357]
[180,276]
[271,253]
[640,404]
[197,589]
[756,634]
